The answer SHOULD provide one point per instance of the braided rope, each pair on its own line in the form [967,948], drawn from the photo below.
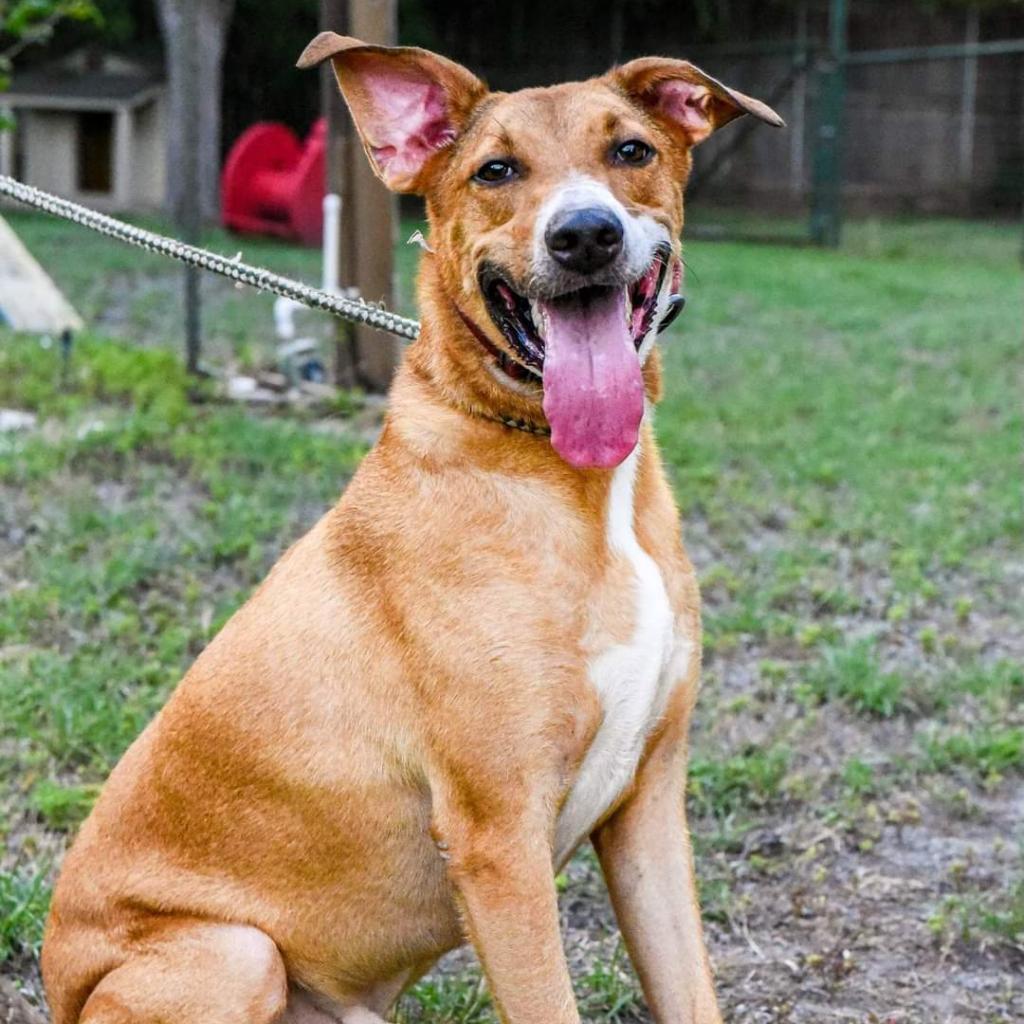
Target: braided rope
[357,311]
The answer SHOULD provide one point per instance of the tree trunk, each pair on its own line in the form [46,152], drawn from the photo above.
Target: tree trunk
[211,20]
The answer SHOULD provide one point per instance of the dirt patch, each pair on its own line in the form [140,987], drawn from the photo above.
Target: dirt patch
[834,907]
[15,1008]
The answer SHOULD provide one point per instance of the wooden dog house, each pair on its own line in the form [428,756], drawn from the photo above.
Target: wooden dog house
[89,127]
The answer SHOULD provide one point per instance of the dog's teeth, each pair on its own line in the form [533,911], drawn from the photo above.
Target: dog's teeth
[540,321]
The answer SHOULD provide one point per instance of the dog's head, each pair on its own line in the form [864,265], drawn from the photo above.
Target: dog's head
[555,216]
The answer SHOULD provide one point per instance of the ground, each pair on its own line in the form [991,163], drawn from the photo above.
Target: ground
[843,431]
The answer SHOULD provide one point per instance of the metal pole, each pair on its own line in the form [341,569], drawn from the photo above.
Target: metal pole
[826,201]
[798,125]
[968,102]
[189,213]
[1021,134]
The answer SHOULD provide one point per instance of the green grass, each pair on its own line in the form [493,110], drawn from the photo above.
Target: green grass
[970,915]
[607,993]
[24,899]
[988,752]
[33,375]
[449,999]
[859,778]
[147,530]
[867,395]
[997,684]
[62,806]
[853,674]
[752,778]
[845,426]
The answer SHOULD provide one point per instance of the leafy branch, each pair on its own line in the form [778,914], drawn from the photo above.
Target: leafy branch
[25,23]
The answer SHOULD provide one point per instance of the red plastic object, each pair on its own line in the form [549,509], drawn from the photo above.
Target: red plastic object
[274,185]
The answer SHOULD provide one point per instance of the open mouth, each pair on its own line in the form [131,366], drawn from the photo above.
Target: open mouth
[523,321]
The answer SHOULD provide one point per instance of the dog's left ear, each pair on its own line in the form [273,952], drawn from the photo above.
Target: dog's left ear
[408,104]
[691,101]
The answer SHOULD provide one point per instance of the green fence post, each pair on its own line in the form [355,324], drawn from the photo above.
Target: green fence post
[826,197]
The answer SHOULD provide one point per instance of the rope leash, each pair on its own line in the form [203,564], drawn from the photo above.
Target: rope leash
[357,311]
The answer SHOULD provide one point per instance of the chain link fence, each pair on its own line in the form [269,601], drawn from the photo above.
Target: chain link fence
[890,111]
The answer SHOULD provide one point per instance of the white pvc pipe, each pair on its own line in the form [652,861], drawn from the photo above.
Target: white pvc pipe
[332,242]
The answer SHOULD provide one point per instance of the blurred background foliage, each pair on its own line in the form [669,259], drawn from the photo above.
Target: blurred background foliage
[529,42]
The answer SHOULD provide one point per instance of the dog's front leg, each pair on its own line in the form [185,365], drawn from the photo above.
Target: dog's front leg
[644,850]
[500,864]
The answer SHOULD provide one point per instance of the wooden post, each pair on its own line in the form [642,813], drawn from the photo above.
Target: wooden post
[363,356]
[334,17]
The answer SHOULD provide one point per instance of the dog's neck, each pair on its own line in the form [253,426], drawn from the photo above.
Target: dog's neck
[428,438]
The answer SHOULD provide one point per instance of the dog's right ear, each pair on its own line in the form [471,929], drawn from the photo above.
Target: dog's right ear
[408,104]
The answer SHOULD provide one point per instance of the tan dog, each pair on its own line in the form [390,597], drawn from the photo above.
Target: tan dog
[485,653]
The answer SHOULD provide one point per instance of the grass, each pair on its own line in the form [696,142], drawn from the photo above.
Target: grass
[24,898]
[140,535]
[752,778]
[448,999]
[844,392]
[843,434]
[990,752]
[853,674]
[966,916]
[607,993]
[62,806]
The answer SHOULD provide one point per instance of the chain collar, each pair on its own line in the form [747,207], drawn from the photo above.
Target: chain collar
[524,425]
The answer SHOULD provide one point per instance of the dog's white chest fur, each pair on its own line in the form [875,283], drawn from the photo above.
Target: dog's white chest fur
[633,679]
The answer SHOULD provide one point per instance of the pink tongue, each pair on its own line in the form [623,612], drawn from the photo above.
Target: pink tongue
[593,388]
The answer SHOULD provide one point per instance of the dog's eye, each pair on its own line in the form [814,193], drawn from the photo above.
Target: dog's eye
[495,171]
[634,152]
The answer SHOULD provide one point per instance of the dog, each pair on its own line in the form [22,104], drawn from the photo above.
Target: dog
[486,653]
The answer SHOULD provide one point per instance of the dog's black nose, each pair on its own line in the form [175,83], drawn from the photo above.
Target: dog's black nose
[584,240]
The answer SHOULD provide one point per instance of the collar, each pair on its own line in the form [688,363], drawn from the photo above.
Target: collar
[525,425]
